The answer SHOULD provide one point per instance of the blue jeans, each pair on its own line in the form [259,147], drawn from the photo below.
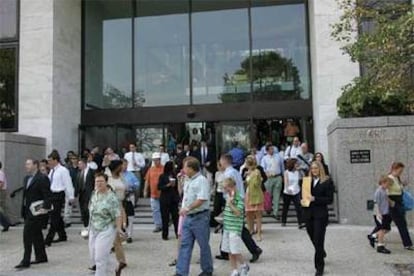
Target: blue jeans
[195,228]
[156,212]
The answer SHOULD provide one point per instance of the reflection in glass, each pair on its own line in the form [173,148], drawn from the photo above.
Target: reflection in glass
[108,54]
[220,45]
[103,137]
[8,19]
[7,88]
[161,53]
[149,139]
[235,132]
[280,53]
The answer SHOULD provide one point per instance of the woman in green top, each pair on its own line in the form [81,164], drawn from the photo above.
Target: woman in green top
[105,222]
[397,211]
[254,200]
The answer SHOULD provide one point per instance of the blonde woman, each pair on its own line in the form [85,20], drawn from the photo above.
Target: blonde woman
[254,200]
[316,215]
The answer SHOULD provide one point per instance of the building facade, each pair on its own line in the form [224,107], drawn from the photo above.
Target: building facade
[108,72]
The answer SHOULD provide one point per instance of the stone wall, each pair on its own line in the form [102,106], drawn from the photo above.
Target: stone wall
[388,139]
[14,150]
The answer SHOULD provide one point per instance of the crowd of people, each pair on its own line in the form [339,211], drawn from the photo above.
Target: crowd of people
[242,185]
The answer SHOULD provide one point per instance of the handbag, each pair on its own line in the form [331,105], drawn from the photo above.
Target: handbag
[267,202]
[408,201]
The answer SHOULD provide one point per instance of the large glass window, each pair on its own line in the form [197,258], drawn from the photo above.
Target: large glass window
[162,53]
[280,52]
[220,51]
[8,19]
[8,63]
[108,51]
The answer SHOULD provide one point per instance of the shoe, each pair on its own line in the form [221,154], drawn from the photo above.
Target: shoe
[410,248]
[39,261]
[324,254]
[93,268]
[244,270]
[319,273]
[173,263]
[302,226]
[283,224]
[60,240]
[67,225]
[223,258]
[48,243]
[205,274]
[157,230]
[129,240]
[256,256]
[371,241]
[5,229]
[382,249]
[22,266]
[119,269]
[235,273]
[165,238]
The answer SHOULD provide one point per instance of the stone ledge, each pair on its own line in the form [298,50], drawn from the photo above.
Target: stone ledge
[22,139]
[371,122]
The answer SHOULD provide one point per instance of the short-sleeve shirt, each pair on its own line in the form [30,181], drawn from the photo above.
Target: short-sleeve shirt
[3,179]
[231,222]
[152,177]
[197,188]
[104,209]
[381,199]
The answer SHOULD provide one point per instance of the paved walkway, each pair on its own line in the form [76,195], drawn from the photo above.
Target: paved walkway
[287,251]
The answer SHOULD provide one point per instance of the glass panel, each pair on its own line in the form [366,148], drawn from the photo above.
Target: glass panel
[280,52]
[7,88]
[100,136]
[235,132]
[220,51]
[161,53]
[149,139]
[108,54]
[8,19]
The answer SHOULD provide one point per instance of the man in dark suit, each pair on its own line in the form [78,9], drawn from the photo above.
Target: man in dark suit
[85,184]
[36,187]
[207,160]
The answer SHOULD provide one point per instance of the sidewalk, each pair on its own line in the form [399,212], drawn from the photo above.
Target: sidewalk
[287,251]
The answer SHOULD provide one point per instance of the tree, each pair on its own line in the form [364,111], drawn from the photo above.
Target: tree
[380,36]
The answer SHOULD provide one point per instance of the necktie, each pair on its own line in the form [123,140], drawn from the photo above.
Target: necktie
[29,182]
[82,180]
[51,177]
[134,163]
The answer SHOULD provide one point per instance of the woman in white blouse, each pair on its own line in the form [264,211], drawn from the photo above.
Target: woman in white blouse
[291,191]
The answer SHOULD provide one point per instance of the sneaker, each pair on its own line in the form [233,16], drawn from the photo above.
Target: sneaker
[371,241]
[235,273]
[157,230]
[244,270]
[382,249]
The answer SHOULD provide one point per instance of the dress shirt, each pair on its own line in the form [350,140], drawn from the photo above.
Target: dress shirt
[315,182]
[238,156]
[196,188]
[164,158]
[92,165]
[293,152]
[232,173]
[204,154]
[3,179]
[264,152]
[60,181]
[135,160]
[273,165]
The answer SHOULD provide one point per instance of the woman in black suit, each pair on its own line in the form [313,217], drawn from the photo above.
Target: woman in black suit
[316,215]
[169,199]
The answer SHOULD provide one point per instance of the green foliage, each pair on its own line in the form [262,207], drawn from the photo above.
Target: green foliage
[385,49]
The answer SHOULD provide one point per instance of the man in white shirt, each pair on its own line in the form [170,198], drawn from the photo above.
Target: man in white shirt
[305,159]
[165,157]
[61,187]
[274,168]
[293,150]
[136,162]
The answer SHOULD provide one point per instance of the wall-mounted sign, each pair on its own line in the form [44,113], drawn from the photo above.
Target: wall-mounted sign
[360,156]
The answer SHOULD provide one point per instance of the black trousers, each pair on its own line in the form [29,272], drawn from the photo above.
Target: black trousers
[33,236]
[287,199]
[84,208]
[169,207]
[218,206]
[398,216]
[316,228]
[248,242]
[4,220]
[56,220]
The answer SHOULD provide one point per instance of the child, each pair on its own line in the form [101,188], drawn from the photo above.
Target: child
[382,217]
[233,220]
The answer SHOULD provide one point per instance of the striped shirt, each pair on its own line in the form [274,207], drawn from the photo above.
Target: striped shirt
[231,222]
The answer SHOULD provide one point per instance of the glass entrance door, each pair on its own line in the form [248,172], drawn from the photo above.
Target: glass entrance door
[230,132]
